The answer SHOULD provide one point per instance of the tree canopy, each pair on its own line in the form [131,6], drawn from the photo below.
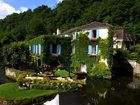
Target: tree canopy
[68,14]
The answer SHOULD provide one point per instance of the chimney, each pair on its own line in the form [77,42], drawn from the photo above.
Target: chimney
[58,32]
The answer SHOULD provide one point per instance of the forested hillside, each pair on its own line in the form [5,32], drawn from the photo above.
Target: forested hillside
[68,14]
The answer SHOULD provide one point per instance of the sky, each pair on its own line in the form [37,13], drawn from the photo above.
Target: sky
[8,7]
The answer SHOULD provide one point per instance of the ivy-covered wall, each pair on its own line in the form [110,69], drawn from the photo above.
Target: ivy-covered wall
[95,65]
[52,59]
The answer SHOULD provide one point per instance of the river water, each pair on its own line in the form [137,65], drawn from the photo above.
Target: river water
[120,91]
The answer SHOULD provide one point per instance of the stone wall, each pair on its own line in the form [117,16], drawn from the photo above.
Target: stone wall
[135,65]
[9,72]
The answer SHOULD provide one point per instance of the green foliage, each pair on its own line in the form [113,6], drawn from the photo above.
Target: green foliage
[15,55]
[100,70]
[81,53]
[135,54]
[110,47]
[63,73]
[132,54]
[55,84]
[68,14]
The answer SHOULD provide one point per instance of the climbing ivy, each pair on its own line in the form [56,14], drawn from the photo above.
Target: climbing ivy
[46,57]
[93,63]
[81,53]
[110,46]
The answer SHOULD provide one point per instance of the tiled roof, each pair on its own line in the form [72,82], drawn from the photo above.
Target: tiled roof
[123,34]
[88,26]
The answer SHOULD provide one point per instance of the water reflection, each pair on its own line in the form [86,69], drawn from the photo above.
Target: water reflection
[121,91]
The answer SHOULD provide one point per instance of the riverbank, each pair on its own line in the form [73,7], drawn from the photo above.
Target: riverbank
[10,94]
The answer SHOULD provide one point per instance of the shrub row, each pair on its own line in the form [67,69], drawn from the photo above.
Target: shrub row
[52,84]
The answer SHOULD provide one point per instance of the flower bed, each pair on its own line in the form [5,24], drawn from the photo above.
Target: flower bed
[51,84]
[27,80]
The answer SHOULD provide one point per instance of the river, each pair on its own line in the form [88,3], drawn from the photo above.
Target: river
[120,91]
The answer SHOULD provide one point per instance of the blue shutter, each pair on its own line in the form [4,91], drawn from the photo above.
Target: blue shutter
[34,49]
[97,33]
[39,52]
[96,49]
[59,49]
[89,49]
[51,48]
[90,34]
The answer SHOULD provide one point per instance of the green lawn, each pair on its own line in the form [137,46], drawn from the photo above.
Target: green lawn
[11,91]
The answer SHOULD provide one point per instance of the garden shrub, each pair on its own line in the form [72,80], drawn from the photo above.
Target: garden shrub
[63,73]
[53,84]
[100,70]
[16,55]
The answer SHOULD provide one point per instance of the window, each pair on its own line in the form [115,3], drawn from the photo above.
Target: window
[94,33]
[39,49]
[56,49]
[35,49]
[59,49]
[92,49]
[51,48]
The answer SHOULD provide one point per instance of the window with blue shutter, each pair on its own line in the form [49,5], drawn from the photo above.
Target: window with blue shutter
[34,47]
[97,35]
[93,50]
[96,49]
[39,52]
[59,49]
[90,49]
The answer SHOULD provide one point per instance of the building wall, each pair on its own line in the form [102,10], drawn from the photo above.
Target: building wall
[82,46]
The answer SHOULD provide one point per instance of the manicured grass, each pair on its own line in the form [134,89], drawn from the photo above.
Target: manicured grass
[10,91]
[63,73]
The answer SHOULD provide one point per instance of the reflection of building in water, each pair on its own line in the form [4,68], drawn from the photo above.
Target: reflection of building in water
[55,101]
[93,101]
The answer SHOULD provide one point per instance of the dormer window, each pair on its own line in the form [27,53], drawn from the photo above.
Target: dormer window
[92,34]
